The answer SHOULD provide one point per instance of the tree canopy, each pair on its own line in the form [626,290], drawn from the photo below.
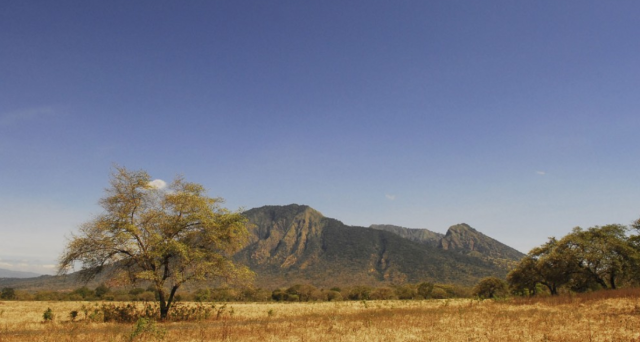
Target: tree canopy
[164,236]
[600,257]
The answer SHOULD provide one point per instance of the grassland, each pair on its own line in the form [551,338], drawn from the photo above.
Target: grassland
[602,316]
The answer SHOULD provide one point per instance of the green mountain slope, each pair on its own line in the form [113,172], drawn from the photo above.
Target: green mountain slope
[417,235]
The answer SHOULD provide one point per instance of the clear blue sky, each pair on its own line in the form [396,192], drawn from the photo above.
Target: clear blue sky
[518,118]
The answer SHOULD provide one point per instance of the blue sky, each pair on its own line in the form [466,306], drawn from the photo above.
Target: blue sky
[518,118]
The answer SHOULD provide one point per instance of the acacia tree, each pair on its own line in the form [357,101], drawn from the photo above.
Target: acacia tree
[604,254]
[549,265]
[490,287]
[167,237]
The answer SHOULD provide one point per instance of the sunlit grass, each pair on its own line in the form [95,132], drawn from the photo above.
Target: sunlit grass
[606,316]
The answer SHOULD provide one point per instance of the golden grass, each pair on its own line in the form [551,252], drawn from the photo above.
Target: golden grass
[613,316]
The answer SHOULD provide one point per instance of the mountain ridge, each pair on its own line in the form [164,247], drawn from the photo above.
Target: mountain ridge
[296,243]
[5,273]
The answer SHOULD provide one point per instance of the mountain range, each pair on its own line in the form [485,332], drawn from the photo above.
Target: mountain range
[4,273]
[296,244]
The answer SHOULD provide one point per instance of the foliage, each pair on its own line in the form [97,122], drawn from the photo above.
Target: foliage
[601,257]
[8,293]
[490,287]
[164,236]
[146,327]
[130,313]
[48,315]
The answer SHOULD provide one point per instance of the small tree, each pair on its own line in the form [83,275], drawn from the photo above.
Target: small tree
[164,236]
[424,289]
[102,290]
[490,287]
[8,293]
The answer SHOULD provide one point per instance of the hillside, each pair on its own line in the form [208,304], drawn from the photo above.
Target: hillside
[414,234]
[4,273]
[292,244]
[460,238]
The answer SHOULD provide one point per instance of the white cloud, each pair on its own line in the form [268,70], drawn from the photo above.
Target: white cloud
[27,114]
[541,173]
[158,184]
[390,197]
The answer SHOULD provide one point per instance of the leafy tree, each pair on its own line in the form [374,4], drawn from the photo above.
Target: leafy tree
[603,254]
[360,293]
[524,279]
[424,289]
[167,237]
[202,295]
[84,292]
[8,293]
[302,291]
[490,287]
[554,265]
[102,290]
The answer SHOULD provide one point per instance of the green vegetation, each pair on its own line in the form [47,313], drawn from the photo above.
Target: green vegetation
[8,293]
[600,257]
[490,287]
[163,237]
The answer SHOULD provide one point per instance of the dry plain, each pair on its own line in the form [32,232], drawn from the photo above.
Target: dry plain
[607,316]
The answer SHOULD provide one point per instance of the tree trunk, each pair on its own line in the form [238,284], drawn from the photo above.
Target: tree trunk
[165,305]
[612,280]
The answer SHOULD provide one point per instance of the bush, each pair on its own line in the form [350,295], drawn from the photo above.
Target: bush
[490,287]
[360,293]
[439,293]
[334,296]
[383,293]
[48,315]
[8,293]
[425,289]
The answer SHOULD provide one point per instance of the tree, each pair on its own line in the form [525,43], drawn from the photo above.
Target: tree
[424,289]
[603,254]
[8,293]
[490,287]
[524,279]
[102,290]
[167,237]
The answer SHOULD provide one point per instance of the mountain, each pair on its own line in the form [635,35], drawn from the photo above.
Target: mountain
[4,273]
[414,234]
[460,238]
[297,244]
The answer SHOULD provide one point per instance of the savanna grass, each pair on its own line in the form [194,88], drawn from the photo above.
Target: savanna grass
[607,316]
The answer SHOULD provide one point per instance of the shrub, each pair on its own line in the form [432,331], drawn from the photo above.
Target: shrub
[490,287]
[333,295]
[8,293]
[48,315]
[439,293]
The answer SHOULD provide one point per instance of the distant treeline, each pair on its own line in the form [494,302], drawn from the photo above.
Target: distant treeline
[295,293]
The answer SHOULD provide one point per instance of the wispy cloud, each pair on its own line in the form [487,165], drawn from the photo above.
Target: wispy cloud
[26,114]
[158,184]
[541,173]
[390,197]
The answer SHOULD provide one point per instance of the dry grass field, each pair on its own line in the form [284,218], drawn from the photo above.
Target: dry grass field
[603,316]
